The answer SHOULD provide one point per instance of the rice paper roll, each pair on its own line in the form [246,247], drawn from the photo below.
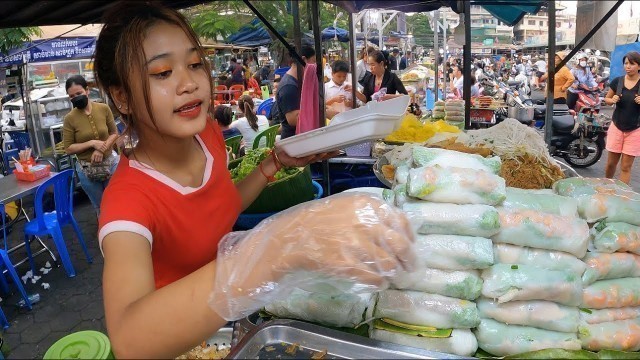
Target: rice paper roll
[505,282]
[462,342]
[536,313]
[501,339]
[451,219]
[453,252]
[602,266]
[595,316]
[402,174]
[465,285]
[423,156]
[610,237]
[613,293]
[543,231]
[622,335]
[345,310]
[546,203]
[419,308]
[546,259]
[455,185]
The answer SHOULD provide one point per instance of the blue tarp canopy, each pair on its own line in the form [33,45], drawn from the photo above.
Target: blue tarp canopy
[331,33]
[253,34]
[617,68]
[508,13]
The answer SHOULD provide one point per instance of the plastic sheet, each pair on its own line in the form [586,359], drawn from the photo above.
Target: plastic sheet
[500,339]
[423,156]
[546,259]
[506,282]
[456,185]
[354,241]
[453,252]
[540,314]
[602,266]
[438,218]
[543,231]
[610,237]
[418,308]
[465,285]
[621,335]
[546,203]
[614,293]
[462,342]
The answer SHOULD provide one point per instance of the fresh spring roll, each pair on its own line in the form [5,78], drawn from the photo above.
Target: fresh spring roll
[462,342]
[345,310]
[402,174]
[610,237]
[622,335]
[603,266]
[418,308]
[543,231]
[465,285]
[546,203]
[613,293]
[455,185]
[546,259]
[423,156]
[506,282]
[451,219]
[453,252]
[501,339]
[536,313]
[588,316]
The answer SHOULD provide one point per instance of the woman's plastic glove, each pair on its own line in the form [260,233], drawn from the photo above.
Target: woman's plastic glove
[353,241]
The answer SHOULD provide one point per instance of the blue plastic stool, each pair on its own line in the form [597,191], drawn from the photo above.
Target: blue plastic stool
[6,262]
[281,71]
[51,223]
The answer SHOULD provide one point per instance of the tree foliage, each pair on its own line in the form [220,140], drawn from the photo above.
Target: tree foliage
[420,28]
[14,37]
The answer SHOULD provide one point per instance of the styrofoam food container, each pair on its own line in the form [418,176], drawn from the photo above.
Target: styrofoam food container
[395,107]
[378,121]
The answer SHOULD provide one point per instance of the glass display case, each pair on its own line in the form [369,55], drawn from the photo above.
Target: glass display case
[46,116]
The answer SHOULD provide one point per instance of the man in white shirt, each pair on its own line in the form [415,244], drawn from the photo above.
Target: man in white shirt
[457,81]
[542,69]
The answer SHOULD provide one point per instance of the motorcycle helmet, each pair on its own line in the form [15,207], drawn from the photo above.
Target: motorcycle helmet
[581,55]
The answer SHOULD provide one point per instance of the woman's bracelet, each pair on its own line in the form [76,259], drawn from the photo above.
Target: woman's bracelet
[271,178]
[276,161]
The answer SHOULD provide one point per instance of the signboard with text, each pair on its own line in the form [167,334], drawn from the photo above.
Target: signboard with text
[50,50]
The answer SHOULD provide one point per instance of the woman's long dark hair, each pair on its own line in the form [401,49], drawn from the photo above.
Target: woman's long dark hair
[245,103]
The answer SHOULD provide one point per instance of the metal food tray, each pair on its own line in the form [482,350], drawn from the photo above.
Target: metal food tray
[271,340]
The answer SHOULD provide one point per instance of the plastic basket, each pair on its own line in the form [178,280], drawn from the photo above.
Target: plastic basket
[360,150]
[33,175]
[21,139]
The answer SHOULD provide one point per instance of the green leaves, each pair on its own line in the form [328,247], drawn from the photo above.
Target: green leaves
[14,37]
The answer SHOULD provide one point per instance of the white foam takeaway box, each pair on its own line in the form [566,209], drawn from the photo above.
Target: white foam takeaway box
[373,121]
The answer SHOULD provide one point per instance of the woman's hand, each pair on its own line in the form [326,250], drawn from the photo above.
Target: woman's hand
[97,144]
[637,99]
[96,157]
[616,98]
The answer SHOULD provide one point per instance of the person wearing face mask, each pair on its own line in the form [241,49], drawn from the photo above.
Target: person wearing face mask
[89,132]
[583,80]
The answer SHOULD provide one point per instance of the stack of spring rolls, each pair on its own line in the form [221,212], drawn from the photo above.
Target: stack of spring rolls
[610,318]
[531,295]
[448,197]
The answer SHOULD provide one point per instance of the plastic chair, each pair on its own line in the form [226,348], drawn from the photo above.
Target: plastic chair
[237,91]
[234,143]
[269,134]
[221,97]
[6,262]
[265,107]
[253,84]
[51,223]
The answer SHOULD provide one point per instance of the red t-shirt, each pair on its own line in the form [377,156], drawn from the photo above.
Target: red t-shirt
[183,224]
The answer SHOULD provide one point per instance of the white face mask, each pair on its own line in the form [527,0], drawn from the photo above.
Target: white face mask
[583,63]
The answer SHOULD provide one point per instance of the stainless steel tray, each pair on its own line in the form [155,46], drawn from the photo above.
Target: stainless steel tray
[271,340]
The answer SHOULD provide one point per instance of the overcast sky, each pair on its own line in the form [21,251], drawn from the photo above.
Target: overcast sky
[624,12]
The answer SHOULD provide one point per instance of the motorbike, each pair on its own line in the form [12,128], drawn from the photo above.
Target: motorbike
[588,104]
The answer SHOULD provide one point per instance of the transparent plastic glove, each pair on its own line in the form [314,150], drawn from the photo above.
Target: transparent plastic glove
[355,242]
[379,95]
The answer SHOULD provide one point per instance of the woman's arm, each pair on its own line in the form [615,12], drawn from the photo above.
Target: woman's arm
[251,186]
[611,98]
[82,147]
[568,81]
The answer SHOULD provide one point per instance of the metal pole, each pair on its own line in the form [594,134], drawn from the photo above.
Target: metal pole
[297,36]
[551,70]
[379,23]
[315,23]
[436,19]
[444,51]
[353,52]
[466,60]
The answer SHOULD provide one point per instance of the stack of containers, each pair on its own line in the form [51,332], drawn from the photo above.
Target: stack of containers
[452,214]
[454,113]
[531,295]
[610,318]
[438,110]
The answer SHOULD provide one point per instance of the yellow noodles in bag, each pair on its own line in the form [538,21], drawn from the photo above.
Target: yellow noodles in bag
[413,130]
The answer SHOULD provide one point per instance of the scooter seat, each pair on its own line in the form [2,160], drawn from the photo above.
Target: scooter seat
[563,123]
[514,83]
[560,108]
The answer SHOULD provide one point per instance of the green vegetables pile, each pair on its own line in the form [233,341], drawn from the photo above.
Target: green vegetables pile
[251,160]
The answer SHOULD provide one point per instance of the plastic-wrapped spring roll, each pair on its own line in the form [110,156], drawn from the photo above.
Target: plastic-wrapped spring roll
[543,231]
[546,259]
[465,285]
[588,316]
[506,282]
[462,342]
[575,187]
[610,237]
[345,310]
[418,308]
[402,174]
[540,314]
[396,196]
[501,339]
[614,293]
[437,218]
[546,203]
[456,185]
[453,252]
[423,156]
[623,335]
[602,266]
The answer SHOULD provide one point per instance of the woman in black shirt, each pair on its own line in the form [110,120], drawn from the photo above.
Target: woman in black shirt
[623,137]
[379,76]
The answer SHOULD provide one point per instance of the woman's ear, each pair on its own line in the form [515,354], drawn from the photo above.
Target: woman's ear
[120,100]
